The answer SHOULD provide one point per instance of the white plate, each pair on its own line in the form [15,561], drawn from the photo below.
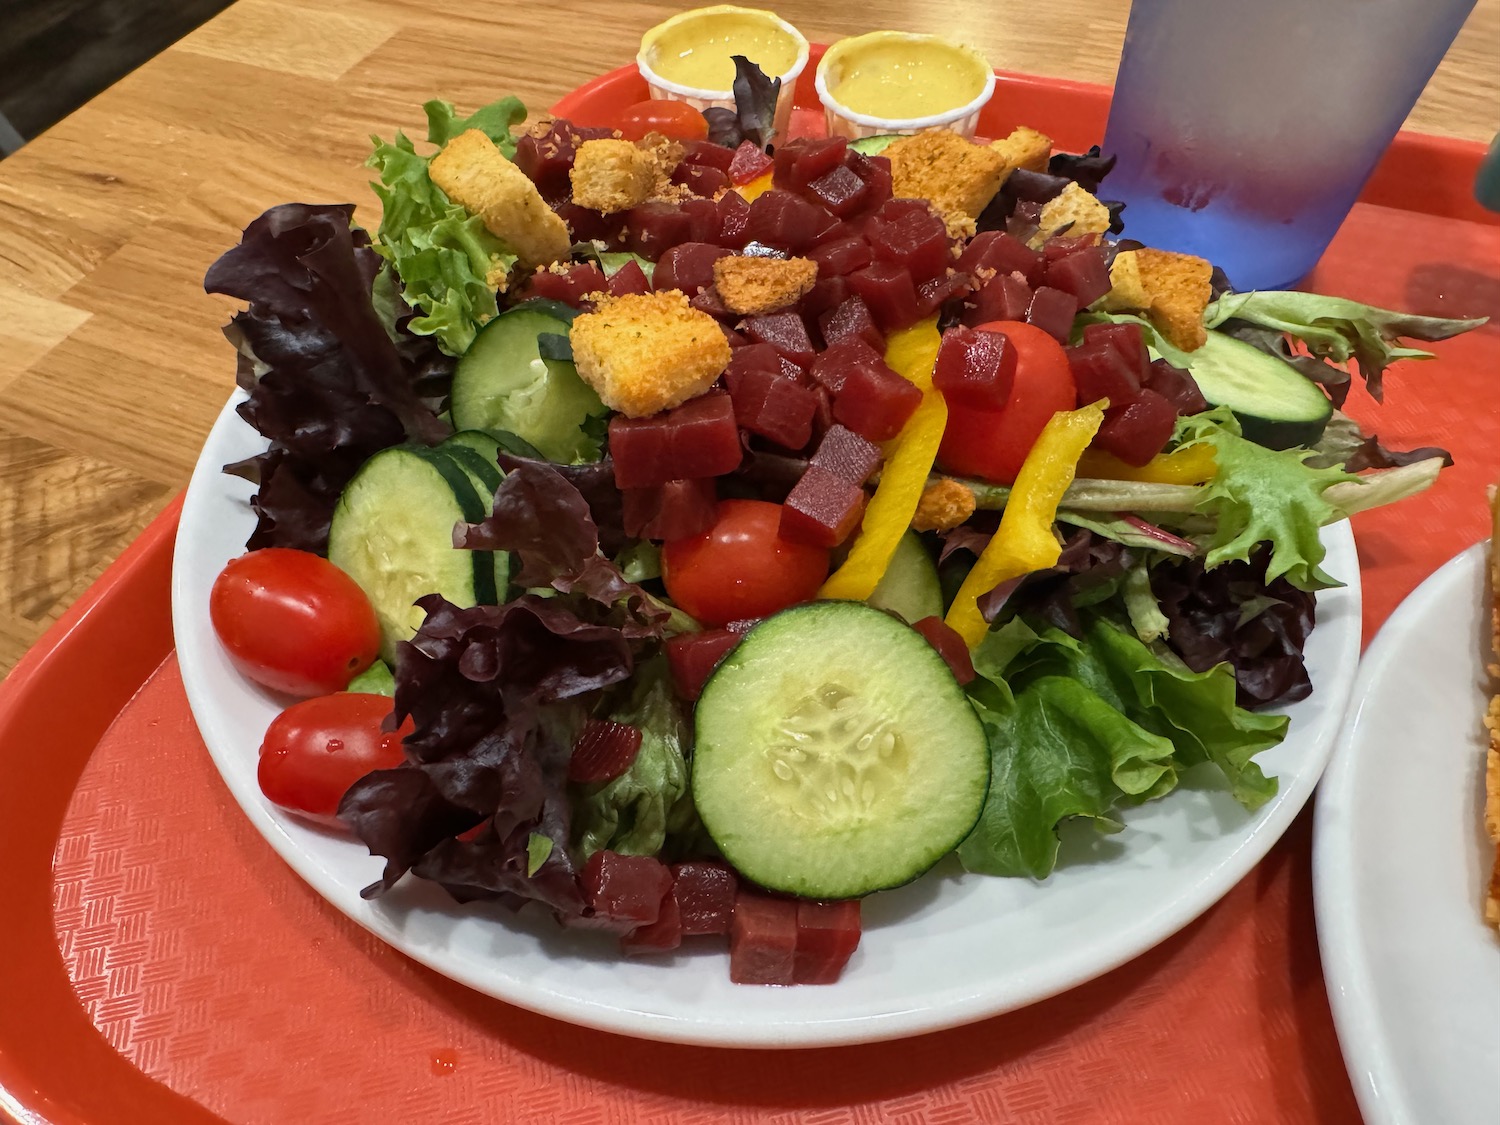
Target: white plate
[1400,861]
[946,950]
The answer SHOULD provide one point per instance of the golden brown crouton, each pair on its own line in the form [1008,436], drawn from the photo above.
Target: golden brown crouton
[474,174]
[1171,289]
[956,176]
[945,503]
[612,175]
[647,352]
[1024,148]
[752,285]
[1077,210]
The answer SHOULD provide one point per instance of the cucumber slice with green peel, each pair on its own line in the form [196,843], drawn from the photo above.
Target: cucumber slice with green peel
[486,445]
[392,532]
[835,753]
[910,585]
[1276,404]
[503,383]
[485,475]
[874,146]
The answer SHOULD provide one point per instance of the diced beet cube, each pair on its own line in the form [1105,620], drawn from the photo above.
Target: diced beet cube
[1125,339]
[995,250]
[875,402]
[603,751]
[629,278]
[823,508]
[1100,370]
[654,228]
[734,220]
[709,301]
[784,331]
[569,287]
[840,257]
[698,439]
[692,658]
[845,454]
[876,173]
[751,357]
[775,407]
[547,158]
[703,217]
[799,162]
[1176,386]
[1084,274]
[889,292]
[840,190]
[709,155]
[705,894]
[950,646]
[673,510]
[588,225]
[1052,311]
[896,209]
[660,936]
[935,292]
[1057,248]
[914,238]
[688,267]
[1006,297]
[851,318]
[827,936]
[1138,431]
[827,294]
[787,221]
[626,889]
[763,940]
[975,369]
[833,364]
[748,162]
[701,181]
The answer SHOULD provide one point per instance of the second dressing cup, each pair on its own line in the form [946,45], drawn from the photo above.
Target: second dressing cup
[897,82]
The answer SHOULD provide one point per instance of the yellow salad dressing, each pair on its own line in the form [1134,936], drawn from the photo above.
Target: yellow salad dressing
[695,48]
[894,76]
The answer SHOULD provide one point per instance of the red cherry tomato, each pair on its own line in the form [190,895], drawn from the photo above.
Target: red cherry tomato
[293,621]
[314,750]
[677,120]
[741,567]
[991,444]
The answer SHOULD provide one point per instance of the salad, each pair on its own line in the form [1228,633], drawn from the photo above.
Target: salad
[691,531]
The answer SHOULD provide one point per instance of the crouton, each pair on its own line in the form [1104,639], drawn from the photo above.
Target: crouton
[945,504]
[1171,289]
[751,286]
[612,175]
[648,352]
[1024,148]
[956,176]
[473,173]
[1077,210]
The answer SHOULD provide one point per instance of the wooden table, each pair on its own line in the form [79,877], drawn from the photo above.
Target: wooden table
[112,367]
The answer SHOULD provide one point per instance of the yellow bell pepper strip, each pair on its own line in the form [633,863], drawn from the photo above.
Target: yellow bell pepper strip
[1025,541]
[911,352]
[755,188]
[1192,464]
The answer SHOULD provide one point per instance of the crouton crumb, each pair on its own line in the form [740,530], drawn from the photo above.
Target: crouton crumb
[1075,209]
[648,352]
[956,176]
[752,285]
[1171,289]
[945,504]
[474,174]
[1024,148]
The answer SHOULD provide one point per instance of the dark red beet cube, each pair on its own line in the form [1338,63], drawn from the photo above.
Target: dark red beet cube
[603,751]
[1101,371]
[587,225]
[763,940]
[709,155]
[627,889]
[889,292]
[950,646]
[1176,386]
[975,369]
[1005,297]
[1084,274]
[876,173]
[660,936]
[698,439]
[799,162]
[692,658]
[1052,311]
[914,238]
[875,402]
[547,159]
[827,294]
[833,364]
[748,162]
[852,318]
[701,181]
[708,300]
[842,256]
[705,893]
[823,508]
[786,221]
[845,454]
[734,220]
[688,267]
[654,228]
[784,331]
[629,278]
[1124,338]
[827,936]
[840,190]
[568,288]
[936,292]
[775,407]
[673,510]
[703,219]
[997,251]
[1138,431]
[1056,248]
[751,357]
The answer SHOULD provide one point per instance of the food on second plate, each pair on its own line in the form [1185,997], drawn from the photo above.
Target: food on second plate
[1492,724]
[750,548]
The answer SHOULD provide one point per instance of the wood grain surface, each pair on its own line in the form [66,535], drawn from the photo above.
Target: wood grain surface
[112,367]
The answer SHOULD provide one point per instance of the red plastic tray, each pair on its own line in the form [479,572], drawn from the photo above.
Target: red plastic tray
[158,963]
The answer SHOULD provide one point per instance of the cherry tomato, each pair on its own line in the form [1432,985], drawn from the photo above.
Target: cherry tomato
[677,120]
[991,444]
[741,567]
[293,621]
[314,750]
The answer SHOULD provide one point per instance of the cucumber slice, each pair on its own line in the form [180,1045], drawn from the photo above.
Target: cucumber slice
[874,146]
[503,383]
[835,753]
[910,585]
[392,532]
[484,473]
[1277,406]
[481,443]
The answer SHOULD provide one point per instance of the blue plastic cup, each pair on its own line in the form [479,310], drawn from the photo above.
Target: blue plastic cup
[1245,129]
